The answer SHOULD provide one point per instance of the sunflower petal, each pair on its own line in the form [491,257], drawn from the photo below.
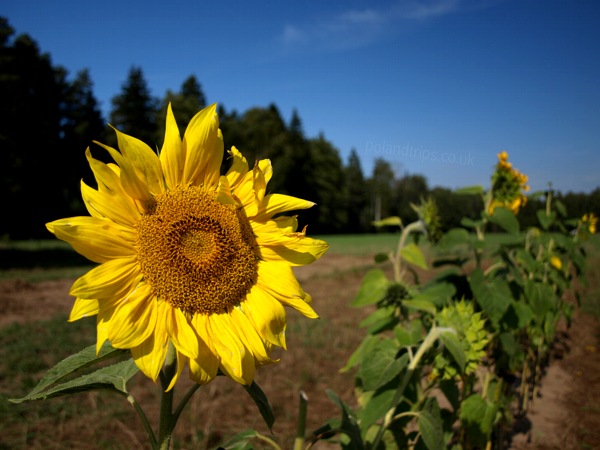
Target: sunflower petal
[99,240]
[134,318]
[294,248]
[145,162]
[249,336]
[266,314]
[112,278]
[236,360]
[278,203]
[150,355]
[239,168]
[202,149]
[131,182]
[83,308]
[206,366]
[181,360]
[171,155]
[182,334]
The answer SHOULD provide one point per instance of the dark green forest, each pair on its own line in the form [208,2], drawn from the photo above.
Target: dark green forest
[48,117]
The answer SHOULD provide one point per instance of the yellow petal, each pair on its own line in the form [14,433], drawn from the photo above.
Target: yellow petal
[181,360]
[266,314]
[133,319]
[202,149]
[111,201]
[205,367]
[198,373]
[249,336]
[277,279]
[144,161]
[99,240]
[83,308]
[102,205]
[115,277]
[239,168]
[182,334]
[224,192]
[133,185]
[171,155]
[294,248]
[236,360]
[266,168]
[278,203]
[150,355]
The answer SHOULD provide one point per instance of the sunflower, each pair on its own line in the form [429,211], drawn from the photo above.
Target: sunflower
[188,258]
[508,185]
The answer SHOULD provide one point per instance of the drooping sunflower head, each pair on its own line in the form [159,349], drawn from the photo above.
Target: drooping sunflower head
[508,186]
[189,258]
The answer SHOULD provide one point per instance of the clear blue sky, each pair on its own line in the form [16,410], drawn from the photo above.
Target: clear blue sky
[435,87]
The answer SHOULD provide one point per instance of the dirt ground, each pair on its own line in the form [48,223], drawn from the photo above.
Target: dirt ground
[566,415]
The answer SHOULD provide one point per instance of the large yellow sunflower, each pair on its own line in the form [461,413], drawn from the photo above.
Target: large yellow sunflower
[187,256]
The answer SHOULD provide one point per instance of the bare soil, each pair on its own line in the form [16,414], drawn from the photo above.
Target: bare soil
[566,415]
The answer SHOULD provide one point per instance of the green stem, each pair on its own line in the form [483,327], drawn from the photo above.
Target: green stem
[431,337]
[397,261]
[301,430]
[167,422]
[145,422]
[183,402]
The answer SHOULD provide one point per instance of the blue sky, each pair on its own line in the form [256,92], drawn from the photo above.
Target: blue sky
[435,87]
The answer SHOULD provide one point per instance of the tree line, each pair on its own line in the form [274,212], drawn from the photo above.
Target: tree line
[49,117]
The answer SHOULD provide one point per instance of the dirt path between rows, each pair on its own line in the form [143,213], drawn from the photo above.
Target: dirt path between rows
[565,416]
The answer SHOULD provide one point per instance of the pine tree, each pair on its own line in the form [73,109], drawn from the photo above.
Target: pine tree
[134,111]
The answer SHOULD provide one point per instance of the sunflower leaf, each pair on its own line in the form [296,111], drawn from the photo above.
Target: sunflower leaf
[113,377]
[262,403]
[85,358]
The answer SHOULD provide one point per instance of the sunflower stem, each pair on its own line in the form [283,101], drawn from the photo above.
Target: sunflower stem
[184,401]
[144,419]
[167,418]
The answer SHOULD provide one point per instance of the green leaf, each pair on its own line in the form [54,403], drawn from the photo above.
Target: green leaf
[523,313]
[540,298]
[376,405]
[412,254]
[381,365]
[451,342]
[494,297]
[546,220]
[476,410]
[262,403]
[388,221]
[348,425]
[381,257]
[68,366]
[469,223]
[560,207]
[241,441]
[409,335]
[431,427]
[381,319]
[470,190]
[437,293]
[420,305]
[373,288]
[455,237]
[113,377]
[364,348]
[505,219]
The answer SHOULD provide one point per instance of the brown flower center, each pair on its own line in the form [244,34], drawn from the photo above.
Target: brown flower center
[199,255]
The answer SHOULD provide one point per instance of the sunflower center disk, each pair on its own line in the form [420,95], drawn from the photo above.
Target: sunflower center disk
[196,253]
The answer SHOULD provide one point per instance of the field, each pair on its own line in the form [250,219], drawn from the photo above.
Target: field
[34,335]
